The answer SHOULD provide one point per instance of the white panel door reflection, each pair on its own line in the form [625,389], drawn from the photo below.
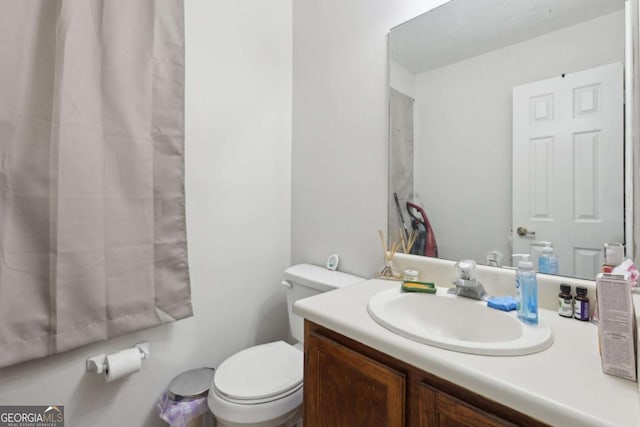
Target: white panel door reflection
[568,176]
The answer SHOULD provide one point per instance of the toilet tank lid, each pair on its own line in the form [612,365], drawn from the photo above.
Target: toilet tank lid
[319,278]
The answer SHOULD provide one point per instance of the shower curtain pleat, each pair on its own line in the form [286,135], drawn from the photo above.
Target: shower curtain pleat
[92,214]
[400,157]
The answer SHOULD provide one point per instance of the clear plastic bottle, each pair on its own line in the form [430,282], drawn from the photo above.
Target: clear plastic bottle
[527,291]
[548,260]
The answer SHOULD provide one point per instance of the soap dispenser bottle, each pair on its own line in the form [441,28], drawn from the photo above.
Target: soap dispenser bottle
[526,290]
[548,260]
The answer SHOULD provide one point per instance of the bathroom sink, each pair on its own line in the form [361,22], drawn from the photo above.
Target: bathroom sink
[457,323]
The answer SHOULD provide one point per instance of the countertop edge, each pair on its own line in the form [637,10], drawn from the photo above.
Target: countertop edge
[530,403]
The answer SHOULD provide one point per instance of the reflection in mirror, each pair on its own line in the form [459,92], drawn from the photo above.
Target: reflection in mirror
[506,129]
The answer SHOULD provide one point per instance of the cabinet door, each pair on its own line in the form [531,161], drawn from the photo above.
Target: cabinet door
[343,388]
[439,409]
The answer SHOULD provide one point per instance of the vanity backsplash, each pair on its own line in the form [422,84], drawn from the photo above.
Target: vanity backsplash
[497,281]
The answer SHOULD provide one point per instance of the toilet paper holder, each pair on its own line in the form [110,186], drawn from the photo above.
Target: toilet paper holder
[97,363]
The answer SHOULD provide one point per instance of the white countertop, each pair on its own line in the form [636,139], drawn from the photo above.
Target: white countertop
[562,386]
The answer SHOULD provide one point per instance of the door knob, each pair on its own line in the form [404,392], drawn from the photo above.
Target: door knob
[522,231]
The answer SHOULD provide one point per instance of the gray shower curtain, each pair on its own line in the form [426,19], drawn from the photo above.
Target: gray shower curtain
[400,157]
[92,220]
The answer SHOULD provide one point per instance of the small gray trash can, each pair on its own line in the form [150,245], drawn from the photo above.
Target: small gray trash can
[184,404]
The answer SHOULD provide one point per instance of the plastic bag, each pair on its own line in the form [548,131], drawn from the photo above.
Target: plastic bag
[180,414]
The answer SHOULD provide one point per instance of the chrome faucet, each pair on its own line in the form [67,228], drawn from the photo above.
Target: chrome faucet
[466,284]
[494,258]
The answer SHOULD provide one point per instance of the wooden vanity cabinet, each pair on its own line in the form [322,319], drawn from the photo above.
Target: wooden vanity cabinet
[349,388]
[437,408]
[347,384]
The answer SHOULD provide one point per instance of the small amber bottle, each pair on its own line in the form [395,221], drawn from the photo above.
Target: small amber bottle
[581,311]
[565,301]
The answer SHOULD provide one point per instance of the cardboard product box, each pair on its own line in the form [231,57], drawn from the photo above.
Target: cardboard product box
[616,325]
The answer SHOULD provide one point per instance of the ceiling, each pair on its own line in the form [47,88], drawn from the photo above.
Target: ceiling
[462,29]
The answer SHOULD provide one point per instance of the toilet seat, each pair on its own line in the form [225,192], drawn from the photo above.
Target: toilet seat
[261,384]
[273,413]
[260,374]
[259,401]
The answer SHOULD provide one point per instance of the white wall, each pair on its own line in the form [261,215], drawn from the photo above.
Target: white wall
[462,117]
[238,118]
[339,176]
[401,79]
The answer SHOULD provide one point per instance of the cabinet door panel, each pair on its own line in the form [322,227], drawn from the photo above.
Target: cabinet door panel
[346,389]
[439,409]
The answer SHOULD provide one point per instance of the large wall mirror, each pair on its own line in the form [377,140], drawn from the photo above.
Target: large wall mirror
[507,130]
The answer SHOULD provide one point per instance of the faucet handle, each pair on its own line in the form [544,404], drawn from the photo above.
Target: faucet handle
[494,258]
[465,268]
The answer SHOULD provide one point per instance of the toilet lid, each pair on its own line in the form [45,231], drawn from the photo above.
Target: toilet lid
[260,372]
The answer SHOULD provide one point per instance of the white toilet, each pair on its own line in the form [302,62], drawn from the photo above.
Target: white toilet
[261,386]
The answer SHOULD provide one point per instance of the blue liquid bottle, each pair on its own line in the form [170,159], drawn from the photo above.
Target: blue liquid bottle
[548,260]
[527,291]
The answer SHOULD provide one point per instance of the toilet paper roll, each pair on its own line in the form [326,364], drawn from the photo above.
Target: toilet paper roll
[122,363]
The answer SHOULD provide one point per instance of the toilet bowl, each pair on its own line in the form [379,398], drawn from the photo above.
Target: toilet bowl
[261,386]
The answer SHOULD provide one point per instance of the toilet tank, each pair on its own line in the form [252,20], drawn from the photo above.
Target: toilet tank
[305,280]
